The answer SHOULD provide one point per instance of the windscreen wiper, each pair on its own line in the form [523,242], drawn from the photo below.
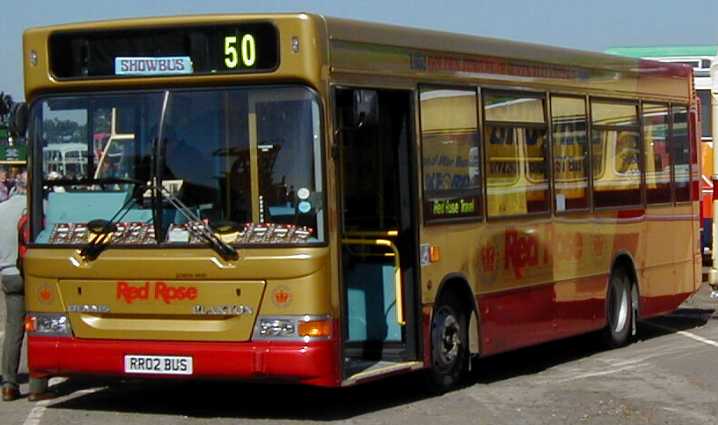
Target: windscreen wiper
[199,228]
[102,230]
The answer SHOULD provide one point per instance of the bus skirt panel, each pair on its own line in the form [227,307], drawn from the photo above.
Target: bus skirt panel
[312,363]
[529,316]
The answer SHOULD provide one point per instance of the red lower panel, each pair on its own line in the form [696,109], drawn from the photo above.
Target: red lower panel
[520,318]
[313,363]
[654,306]
[516,318]
[524,317]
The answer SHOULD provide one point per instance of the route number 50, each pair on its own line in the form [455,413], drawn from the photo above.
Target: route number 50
[247,52]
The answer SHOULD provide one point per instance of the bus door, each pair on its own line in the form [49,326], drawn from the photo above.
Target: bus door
[375,151]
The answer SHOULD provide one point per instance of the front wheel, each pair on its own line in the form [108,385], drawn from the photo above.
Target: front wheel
[618,311]
[449,347]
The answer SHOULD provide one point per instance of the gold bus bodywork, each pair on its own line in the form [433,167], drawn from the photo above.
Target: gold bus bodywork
[573,253]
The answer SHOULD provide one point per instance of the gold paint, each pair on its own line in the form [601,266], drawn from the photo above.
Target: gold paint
[304,271]
[360,53]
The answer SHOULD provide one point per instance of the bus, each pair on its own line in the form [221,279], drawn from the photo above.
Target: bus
[323,201]
[65,159]
[700,58]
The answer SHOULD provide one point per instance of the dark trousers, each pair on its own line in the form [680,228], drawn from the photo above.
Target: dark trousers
[12,286]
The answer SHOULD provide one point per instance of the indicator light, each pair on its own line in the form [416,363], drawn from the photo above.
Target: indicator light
[434,254]
[301,328]
[49,324]
[315,328]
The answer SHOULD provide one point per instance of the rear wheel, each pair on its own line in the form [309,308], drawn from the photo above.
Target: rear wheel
[449,342]
[618,309]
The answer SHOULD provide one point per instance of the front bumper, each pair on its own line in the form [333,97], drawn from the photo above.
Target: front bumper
[313,363]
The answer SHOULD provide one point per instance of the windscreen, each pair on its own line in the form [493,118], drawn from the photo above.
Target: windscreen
[246,161]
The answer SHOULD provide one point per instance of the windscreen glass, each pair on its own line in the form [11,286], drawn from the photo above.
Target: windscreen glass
[245,161]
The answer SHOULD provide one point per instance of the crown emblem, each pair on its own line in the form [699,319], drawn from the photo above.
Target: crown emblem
[45,295]
[281,296]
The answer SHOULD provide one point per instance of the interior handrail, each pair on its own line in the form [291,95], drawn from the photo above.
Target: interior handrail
[373,234]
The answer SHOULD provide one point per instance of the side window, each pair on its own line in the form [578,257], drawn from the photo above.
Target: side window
[681,153]
[615,148]
[450,153]
[658,154]
[516,154]
[570,152]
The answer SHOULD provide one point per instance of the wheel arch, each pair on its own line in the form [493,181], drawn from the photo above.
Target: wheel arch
[459,284]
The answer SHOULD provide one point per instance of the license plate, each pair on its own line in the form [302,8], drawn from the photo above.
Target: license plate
[160,365]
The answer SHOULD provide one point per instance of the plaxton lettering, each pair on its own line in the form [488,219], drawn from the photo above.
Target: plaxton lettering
[159,291]
[222,310]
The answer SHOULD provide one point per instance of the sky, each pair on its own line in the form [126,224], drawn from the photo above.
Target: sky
[581,24]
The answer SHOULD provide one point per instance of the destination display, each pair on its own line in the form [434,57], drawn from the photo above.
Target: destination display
[451,208]
[230,48]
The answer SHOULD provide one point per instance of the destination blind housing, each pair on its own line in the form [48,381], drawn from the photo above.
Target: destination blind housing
[228,48]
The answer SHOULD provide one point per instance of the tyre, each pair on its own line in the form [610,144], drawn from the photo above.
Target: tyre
[619,312]
[449,343]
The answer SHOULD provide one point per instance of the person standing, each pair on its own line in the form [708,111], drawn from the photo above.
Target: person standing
[14,288]
[4,189]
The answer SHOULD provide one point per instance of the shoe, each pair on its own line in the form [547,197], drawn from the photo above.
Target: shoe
[47,395]
[10,393]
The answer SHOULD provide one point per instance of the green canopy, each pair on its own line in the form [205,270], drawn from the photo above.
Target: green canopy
[664,51]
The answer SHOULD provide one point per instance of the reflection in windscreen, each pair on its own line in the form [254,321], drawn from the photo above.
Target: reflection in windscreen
[244,159]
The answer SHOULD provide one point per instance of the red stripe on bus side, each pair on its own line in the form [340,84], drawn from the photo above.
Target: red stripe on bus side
[520,318]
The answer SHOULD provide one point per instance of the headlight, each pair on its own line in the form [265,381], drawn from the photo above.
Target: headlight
[301,328]
[48,324]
